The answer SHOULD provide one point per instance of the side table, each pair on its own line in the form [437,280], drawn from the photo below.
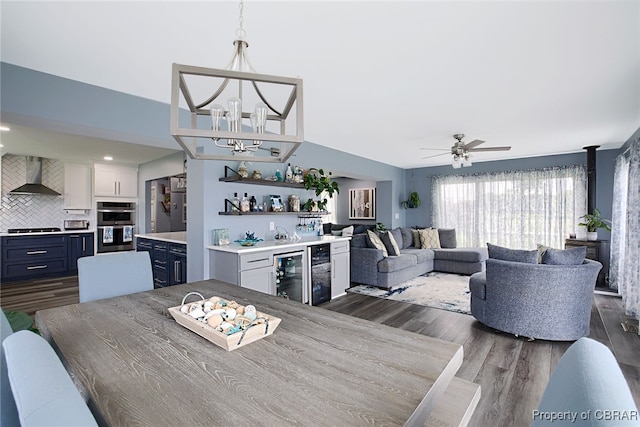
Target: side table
[597,250]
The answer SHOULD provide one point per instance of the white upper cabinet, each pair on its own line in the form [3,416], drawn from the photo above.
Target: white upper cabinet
[115,181]
[77,187]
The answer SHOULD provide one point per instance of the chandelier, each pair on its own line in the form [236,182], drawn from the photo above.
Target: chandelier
[236,119]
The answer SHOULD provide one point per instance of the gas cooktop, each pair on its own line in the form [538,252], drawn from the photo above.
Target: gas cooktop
[33,230]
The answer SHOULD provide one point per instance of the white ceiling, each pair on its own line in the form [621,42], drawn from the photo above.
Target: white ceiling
[382,79]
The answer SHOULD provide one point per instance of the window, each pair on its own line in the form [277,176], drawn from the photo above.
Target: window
[517,209]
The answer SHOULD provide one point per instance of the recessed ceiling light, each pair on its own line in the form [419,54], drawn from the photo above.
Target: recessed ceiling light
[4,128]
[108,158]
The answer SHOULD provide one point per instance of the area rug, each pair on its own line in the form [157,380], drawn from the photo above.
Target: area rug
[438,290]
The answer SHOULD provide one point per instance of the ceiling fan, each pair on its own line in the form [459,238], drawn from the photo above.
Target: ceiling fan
[461,151]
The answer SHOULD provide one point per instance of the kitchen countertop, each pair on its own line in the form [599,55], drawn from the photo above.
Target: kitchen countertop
[277,244]
[171,237]
[48,233]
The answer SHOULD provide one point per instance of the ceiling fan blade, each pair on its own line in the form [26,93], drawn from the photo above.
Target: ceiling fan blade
[436,149]
[435,155]
[472,144]
[491,149]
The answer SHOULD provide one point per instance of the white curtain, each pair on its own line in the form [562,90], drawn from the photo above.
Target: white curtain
[624,273]
[516,209]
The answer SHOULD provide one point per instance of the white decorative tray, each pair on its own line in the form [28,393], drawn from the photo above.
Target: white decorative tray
[262,326]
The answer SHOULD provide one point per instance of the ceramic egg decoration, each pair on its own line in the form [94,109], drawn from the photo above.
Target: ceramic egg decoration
[184,309]
[229,314]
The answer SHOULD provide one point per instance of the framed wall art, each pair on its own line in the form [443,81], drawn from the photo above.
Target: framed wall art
[362,203]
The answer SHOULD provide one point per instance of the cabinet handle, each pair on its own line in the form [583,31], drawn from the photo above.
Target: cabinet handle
[36,252]
[37,267]
[84,245]
[115,187]
[176,270]
[118,187]
[257,260]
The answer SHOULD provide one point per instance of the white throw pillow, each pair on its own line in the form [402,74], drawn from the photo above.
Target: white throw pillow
[347,231]
[429,238]
[375,242]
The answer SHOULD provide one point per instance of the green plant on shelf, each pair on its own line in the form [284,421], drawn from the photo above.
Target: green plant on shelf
[321,184]
[594,221]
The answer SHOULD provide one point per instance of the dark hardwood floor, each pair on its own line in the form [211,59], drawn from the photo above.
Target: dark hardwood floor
[512,372]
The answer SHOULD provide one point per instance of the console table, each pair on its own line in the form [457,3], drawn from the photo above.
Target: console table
[597,250]
[137,366]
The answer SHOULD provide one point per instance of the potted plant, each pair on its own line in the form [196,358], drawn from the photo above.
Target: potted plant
[320,183]
[592,222]
[381,227]
[412,202]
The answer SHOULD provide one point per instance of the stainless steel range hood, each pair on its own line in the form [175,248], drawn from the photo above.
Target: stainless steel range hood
[34,180]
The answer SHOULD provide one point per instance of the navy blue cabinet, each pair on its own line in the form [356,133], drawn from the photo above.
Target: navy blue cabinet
[80,245]
[177,263]
[169,261]
[159,263]
[27,257]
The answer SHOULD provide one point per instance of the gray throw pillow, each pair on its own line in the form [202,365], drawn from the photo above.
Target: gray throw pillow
[515,255]
[448,238]
[407,237]
[572,256]
[390,243]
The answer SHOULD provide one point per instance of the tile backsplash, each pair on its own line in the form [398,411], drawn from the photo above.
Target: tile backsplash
[26,211]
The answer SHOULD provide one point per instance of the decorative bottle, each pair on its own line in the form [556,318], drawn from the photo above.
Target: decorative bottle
[253,204]
[244,204]
[289,173]
[235,207]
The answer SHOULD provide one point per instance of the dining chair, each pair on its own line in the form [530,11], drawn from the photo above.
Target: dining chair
[8,411]
[114,274]
[42,389]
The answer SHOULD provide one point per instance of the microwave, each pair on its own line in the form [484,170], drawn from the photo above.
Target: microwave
[116,213]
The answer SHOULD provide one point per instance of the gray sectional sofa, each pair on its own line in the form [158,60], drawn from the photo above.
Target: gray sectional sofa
[369,266]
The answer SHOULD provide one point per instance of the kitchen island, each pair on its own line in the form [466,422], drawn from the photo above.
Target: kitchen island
[171,236]
[168,253]
[317,261]
[138,366]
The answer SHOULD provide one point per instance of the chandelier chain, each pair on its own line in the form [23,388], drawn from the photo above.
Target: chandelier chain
[240,32]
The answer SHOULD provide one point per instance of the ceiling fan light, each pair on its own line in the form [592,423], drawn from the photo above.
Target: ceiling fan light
[466,160]
[456,163]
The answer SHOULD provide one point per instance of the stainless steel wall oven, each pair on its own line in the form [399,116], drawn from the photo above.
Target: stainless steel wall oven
[116,225]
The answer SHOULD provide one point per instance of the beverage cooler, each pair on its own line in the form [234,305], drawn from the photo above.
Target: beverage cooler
[320,279]
[291,281]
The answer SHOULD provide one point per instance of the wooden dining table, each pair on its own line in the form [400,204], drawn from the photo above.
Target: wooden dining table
[137,366]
